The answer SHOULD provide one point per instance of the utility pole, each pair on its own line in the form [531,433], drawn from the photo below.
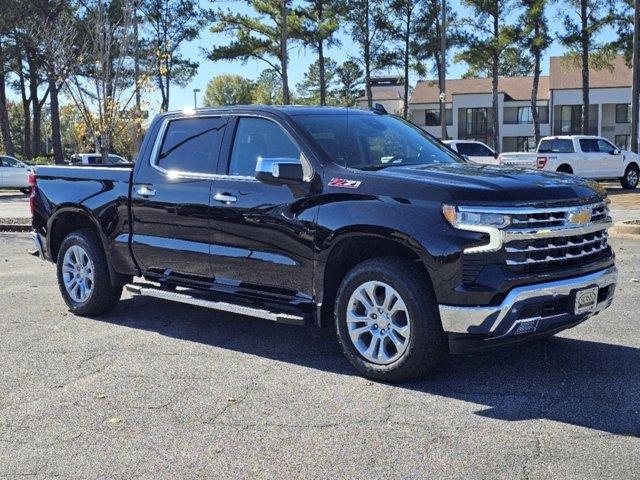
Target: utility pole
[635,91]
[136,74]
[196,91]
[443,71]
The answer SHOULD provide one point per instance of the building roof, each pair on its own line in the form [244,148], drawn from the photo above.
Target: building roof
[385,93]
[565,75]
[514,88]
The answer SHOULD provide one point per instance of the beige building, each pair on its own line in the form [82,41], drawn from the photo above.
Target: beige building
[469,101]
[388,92]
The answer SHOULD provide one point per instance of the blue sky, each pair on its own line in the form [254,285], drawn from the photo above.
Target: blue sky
[300,59]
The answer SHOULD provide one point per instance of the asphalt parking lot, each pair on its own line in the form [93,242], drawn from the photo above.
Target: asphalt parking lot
[160,390]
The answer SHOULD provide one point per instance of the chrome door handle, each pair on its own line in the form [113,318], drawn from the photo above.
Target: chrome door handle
[225,198]
[145,191]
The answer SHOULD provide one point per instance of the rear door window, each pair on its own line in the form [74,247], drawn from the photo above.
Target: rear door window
[588,145]
[192,145]
[556,146]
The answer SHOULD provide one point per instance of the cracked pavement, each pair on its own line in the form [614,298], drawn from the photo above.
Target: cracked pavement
[161,390]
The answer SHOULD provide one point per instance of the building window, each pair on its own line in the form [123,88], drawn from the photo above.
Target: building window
[432,117]
[571,118]
[476,121]
[526,144]
[623,113]
[622,141]
[525,115]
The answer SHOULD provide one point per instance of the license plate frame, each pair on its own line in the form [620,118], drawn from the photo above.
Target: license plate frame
[585,300]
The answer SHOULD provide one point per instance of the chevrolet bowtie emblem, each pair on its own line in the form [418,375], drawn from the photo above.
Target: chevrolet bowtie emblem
[579,216]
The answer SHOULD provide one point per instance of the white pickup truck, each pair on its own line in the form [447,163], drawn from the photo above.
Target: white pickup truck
[582,155]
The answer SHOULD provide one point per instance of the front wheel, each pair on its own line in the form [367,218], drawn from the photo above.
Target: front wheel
[83,275]
[630,179]
[387,321]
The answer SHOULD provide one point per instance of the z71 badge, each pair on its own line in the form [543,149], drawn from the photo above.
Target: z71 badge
[343,183]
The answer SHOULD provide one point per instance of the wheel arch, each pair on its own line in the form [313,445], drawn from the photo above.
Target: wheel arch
[71,219]
[351,246]
[565,168]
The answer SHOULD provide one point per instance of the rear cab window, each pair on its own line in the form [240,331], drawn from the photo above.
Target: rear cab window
[559,145]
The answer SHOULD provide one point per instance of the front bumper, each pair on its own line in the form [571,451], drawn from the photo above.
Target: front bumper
[530,309]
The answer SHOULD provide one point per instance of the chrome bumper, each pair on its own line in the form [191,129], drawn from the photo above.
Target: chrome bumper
[505,319]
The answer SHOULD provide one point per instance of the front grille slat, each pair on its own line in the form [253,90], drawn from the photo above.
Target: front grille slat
[560,247]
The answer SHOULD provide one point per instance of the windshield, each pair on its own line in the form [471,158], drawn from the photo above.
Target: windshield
[372,142]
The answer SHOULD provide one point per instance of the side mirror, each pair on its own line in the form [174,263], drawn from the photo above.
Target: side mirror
[279,171]
[615,151]
[495,155]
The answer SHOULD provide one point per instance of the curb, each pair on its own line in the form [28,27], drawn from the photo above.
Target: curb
[627,228]
[15,227]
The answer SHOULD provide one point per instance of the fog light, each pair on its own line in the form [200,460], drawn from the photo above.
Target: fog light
[526,326]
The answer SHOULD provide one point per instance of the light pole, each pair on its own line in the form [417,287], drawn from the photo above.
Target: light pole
[635,90]
[196,91]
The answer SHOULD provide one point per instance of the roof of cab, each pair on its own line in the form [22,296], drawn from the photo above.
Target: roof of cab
[286,109]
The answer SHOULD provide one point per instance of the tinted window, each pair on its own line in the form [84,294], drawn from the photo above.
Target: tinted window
[192,145]
[588,145]
[604,146]
[368,141]
[483,151]
[556,146]
[10,162]
[465,149]
[258,138]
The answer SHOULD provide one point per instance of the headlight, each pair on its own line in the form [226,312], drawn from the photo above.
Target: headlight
[460,216]
[475,220]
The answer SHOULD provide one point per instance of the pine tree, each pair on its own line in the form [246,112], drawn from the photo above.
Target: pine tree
[579,37]
[266,37]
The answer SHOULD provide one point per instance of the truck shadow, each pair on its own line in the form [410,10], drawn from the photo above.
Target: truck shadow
[589,384]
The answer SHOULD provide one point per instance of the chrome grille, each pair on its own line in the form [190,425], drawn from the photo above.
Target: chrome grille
[546,240]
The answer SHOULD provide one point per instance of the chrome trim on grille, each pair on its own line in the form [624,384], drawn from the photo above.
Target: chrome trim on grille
[533,234]
[530,248]
[547,259]
[526,210]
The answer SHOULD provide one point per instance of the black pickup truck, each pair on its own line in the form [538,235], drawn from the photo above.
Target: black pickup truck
[345,218]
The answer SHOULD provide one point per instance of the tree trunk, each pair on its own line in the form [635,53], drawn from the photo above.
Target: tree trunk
[323,78]
[407,40]
[367,59]
[36,136]
[494,87]
[56,137]
[26,116]
[284,54]
[635,91]
[585,65]
[5,128]
[534,87]
[136,75]
[442,72]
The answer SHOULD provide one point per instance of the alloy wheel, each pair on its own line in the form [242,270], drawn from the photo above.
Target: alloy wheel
[77,273]
[378,322]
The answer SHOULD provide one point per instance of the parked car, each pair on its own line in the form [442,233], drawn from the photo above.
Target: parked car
[14,174]
[351,219]
[96,159]
[475,151]
[583,155]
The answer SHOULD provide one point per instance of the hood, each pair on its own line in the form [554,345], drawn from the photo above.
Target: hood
[489,184]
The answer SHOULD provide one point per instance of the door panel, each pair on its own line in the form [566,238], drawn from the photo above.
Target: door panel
[262,235]
[264,239]
[170,200]
[611,165]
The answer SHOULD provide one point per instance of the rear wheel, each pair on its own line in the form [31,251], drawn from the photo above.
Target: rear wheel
[83,275]
[565,169]
[630,179]
[387,321]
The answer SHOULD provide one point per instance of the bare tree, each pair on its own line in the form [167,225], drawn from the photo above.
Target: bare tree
[101,91]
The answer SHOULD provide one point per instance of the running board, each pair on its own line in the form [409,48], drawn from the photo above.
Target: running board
[188,298]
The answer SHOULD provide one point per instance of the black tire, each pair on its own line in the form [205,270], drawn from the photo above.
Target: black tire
[565,169]
[25,191]
[630,179]
[427,344]
[103,297]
